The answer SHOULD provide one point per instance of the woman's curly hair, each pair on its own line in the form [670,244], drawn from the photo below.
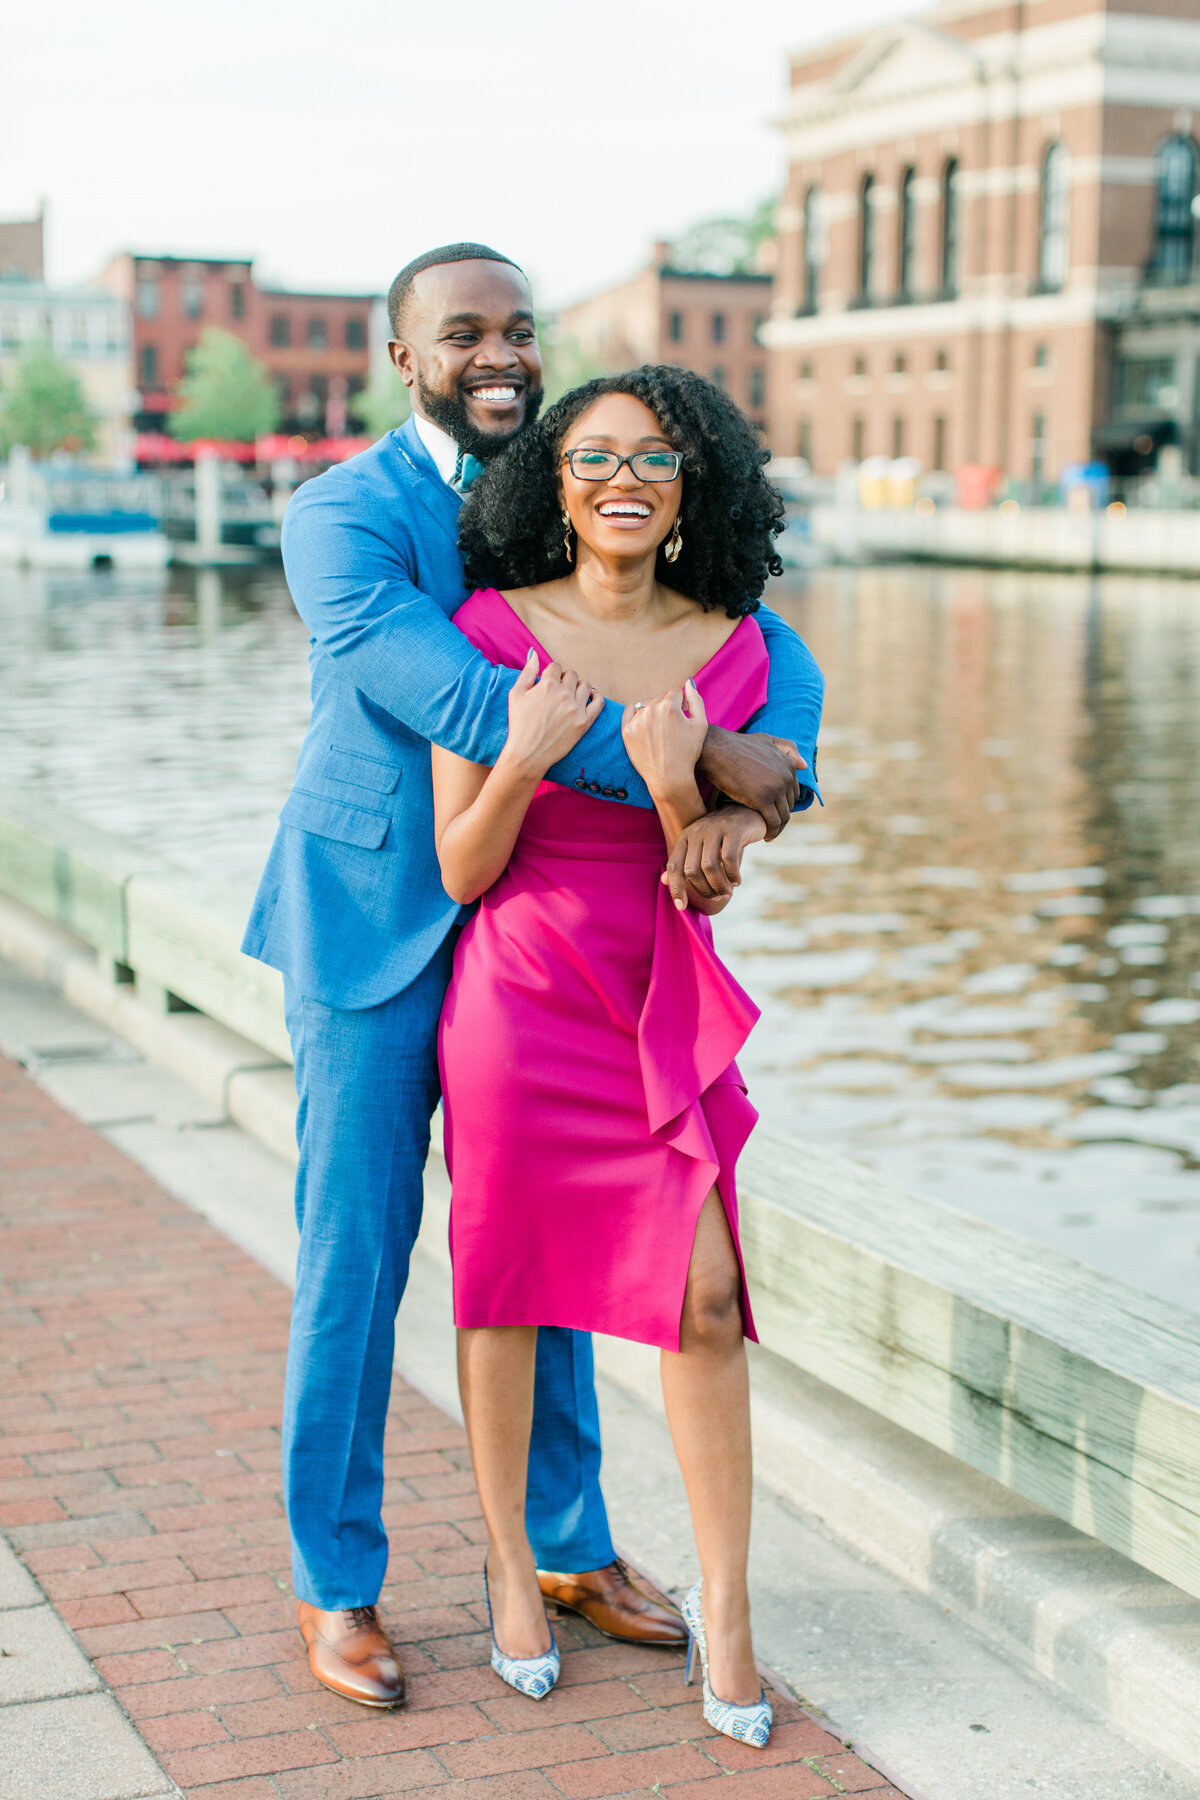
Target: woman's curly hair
[510,529]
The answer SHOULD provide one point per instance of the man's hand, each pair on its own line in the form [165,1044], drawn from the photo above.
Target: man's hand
[706,863]
[755,770]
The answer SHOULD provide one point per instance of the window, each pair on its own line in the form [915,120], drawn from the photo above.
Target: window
[907,246]
[1147,381]
[1037,458]
[1054,239]
[939,441]
[718,328]
[718,376]
[897,436]
[237,301]
[356,334]
[941,362]
[860,365]
[79,331]
[1041,356]
[191,296]
[147,297]
[805,371]
[10,333]
[756,327]
[316,334]
[812,249]
[858,439]
[866,238]
[899,363]
[1175,222]
[758,386]
[804,441]
[675,328]
[280,330]
[148,365]
[950,225]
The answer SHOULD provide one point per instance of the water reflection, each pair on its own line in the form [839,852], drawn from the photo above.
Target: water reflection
[979,968]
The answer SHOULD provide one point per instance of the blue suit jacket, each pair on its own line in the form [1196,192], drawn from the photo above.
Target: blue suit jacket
[351,905]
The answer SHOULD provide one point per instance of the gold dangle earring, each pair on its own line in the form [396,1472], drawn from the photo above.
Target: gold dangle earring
[566,519]
[674,543]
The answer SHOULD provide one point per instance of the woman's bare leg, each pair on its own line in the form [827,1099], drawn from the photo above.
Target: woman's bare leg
[707,1393]
[495,1380]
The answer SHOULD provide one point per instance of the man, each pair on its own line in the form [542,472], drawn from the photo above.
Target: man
[351,909]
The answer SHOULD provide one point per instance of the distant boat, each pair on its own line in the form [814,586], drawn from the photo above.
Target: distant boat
[76,518]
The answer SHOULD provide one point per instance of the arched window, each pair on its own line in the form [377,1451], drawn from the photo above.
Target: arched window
[950,229]
[906,260]
[866,238]
[812,249]
[1177,179]
[1054,239]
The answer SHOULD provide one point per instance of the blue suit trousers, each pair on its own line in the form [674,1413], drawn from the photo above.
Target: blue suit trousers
[368,1084]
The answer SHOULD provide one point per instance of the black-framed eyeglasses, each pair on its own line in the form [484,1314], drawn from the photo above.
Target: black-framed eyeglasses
[602,465]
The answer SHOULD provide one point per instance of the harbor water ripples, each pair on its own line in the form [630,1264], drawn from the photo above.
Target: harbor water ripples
[979,967]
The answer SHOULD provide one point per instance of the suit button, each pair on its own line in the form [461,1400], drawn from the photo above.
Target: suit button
[580,782]
[610,793]
[593,787]
[622,793]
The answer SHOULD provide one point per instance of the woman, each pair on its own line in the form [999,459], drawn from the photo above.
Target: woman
[594,1113]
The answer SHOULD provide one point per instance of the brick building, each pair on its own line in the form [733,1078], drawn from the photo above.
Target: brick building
[987,247]
[22,248]
[316,346]
[706,322]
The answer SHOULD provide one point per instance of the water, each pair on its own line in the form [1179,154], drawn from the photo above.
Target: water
[979,968]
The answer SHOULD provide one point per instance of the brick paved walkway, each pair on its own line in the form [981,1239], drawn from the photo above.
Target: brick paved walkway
[139,1480]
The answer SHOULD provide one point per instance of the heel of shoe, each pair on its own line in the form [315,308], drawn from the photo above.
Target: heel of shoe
[691,1658]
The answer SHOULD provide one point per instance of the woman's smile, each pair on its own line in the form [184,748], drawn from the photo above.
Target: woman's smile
[625,514]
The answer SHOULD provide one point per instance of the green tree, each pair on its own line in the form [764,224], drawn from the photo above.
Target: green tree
[225,393]
[566,364]
[44,406]
[725,246]
[383,404]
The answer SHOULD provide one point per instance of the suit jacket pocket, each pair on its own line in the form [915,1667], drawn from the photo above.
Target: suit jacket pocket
[335,819]
[362,771]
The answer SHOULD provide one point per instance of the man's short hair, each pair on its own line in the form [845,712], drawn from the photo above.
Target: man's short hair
[400,289]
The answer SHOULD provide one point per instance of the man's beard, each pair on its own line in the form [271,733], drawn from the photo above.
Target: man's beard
[455,421]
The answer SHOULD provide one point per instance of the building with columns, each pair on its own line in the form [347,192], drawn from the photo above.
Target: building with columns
[988,241]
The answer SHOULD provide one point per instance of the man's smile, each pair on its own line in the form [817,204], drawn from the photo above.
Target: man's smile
[494,394]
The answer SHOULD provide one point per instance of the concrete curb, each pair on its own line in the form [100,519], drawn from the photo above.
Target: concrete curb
[1120,1640]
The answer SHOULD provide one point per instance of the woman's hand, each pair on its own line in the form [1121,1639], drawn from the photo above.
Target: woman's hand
[547,716]
[664,738]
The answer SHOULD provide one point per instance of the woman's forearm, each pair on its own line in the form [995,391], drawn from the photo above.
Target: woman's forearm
[678,808]
[475,846]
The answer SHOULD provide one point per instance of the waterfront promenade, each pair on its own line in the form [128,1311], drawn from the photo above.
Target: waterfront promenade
[139,1484]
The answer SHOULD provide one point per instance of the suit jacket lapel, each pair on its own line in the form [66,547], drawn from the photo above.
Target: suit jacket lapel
[440,501]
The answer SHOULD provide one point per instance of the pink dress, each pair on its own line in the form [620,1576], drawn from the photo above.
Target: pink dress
[586,1047]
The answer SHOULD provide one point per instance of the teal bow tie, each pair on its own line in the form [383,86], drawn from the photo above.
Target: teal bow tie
[467,470]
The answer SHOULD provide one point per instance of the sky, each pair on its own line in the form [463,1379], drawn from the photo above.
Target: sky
[334,139]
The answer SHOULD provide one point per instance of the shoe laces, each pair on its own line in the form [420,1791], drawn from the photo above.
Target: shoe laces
[361,1616]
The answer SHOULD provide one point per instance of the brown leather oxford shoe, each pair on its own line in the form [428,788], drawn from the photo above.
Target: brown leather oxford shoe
[618,1603]
[351,1653]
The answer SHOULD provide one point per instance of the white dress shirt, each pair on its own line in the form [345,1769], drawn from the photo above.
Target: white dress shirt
[440,445]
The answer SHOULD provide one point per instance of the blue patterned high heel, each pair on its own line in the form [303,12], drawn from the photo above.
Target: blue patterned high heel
[532,1675]
[748,1724]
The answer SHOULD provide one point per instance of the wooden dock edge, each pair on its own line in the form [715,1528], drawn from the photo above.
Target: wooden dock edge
[1072,1390]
